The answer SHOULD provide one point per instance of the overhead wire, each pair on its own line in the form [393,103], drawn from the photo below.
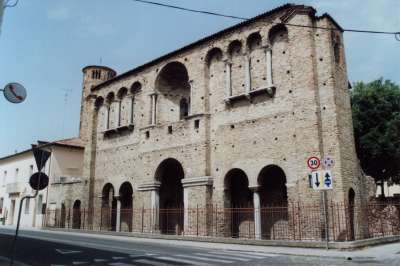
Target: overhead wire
[395,33]
[12,5]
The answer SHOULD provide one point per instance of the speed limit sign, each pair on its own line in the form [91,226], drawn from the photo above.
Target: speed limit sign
[313,163]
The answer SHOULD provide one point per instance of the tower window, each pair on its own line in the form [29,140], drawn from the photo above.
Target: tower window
[184,108]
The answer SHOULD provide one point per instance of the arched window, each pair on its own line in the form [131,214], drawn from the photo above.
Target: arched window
[110,100]
[237,72]
[119,114]
[183,108]
[171,85]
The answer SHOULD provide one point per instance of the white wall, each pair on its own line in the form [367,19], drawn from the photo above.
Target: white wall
[25,163]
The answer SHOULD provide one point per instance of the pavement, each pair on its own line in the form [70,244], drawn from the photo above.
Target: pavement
[43,247]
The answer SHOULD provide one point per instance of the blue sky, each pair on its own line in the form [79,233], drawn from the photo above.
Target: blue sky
[45,44]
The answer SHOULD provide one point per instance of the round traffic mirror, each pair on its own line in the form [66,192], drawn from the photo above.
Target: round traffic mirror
[14,92]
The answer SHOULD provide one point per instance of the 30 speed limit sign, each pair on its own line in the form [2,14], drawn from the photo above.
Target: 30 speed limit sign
[313,163]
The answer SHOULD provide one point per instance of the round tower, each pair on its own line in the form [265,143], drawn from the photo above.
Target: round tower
[92,76]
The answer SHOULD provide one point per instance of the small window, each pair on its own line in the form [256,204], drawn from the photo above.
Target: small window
[16,172]
[169,129]
[196,123]
[30,170]
[147,134]
[184,108]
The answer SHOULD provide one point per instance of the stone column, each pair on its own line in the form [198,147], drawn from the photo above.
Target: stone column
[118,114]
[228,84]
[247,73]
[107,117]
[201,187]
[118,223]
[153,188]
[153,108]
[131,110]
[155,205]
[268,54]
[257,213]
[191,98]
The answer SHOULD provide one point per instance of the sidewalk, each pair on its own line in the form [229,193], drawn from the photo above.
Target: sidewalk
[376,252]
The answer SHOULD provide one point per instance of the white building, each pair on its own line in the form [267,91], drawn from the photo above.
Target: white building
[15,170]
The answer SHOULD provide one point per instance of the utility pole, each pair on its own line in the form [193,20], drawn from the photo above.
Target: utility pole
[1,12]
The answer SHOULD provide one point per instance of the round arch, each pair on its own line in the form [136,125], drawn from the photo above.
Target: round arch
[277,32]
[126,199]
[273,199]
[351,196]
[239,204]
[172,84]
[254,41]
[76,215]
[215,54]
[170,173]
[108,207]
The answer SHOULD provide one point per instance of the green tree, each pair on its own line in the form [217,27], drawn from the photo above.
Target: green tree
[376,118]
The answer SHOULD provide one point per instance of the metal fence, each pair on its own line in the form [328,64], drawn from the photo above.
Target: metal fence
[292,221]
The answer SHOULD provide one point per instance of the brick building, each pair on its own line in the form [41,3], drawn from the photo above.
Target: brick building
[227,121]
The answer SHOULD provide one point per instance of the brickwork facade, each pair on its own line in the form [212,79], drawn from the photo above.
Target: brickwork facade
[258,98]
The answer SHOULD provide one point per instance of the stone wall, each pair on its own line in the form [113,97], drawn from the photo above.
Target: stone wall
[261,94]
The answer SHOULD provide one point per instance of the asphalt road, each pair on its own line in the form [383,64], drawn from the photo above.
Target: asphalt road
[49,248]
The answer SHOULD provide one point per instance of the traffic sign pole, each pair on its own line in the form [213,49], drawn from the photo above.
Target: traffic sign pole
[325,219]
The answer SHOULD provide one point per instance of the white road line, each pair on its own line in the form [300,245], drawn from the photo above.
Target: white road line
[257,253]
[225,256]
[237,255]
[150,262]
[120,264]
[118,258]
[184,261]
[79,262]
[99,260]
[204,259]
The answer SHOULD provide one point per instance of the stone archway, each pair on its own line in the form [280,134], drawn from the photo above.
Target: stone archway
[126,213]
[352,196]
[63,215]
[76,215]
[108,208]
[170,173]
[238,203]
[274,202]
[172,87]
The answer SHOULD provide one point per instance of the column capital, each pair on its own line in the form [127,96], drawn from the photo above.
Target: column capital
[155,185]
[227,61]
[197,181]
[153,94]
[267,47]
[255,188]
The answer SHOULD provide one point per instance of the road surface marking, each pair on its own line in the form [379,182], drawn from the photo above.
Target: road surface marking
[204,259]
[149,262]
[67,251]
[120,264]
[79,262]
[184,261]
[257,253]
[99,260]
[225,256]
[237,255]
[118,258]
